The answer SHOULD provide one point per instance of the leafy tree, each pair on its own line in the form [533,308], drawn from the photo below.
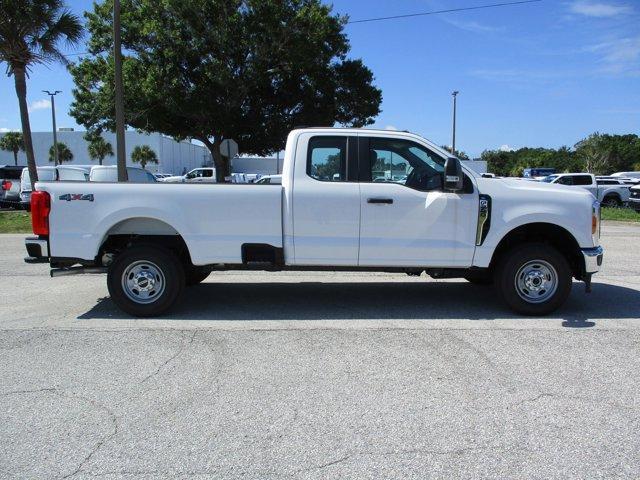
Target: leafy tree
[12,142]
[143,154]
[604,153]
[30,32]
[64,154]
[250,70]
[457,153]
[98,147]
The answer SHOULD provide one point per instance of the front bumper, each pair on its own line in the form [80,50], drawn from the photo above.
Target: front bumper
[592,259]
[37,250]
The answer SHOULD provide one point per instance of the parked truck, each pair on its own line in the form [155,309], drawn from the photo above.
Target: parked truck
[527,238]
[610,191]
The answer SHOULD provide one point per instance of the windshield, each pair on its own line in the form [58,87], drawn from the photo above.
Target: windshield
[550,178]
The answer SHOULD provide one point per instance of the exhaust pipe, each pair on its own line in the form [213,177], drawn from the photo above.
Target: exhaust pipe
[63,272]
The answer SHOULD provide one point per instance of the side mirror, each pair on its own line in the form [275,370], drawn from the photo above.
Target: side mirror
[453,176]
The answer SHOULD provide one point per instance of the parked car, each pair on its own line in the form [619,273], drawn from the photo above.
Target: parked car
[160,176]
[537,173]
[626,174]
[10,186]
[634,198]
[270,180]
[64,173]
[109,173]
[197,175]
[528,238]
[611,192]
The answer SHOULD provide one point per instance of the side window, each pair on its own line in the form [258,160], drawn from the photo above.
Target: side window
[568,180]
[582,180]
[207,173]
[404,162]
[327,159]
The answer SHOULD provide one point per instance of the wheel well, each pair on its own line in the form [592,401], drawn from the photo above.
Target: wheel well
[551,234]
[137,231]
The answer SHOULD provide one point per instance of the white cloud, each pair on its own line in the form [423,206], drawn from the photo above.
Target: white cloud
[40,105]
[619,56]
[505,148]
[591,8]
[390,127]
[472,26]
[5,130]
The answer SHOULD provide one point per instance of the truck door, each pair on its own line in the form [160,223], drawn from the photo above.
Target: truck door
[326,201]
[407,218]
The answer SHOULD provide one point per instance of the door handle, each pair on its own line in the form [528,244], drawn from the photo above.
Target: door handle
[387,201]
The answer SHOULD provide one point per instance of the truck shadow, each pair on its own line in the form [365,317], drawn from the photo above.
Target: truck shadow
[375,301]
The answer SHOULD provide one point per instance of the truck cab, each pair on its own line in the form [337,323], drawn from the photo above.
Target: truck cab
[349,199]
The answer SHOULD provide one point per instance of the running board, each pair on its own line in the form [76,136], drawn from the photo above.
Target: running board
[63,272]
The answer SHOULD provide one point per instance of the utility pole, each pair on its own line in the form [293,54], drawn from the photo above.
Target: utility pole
[119,96]
[453,140]
[53,118]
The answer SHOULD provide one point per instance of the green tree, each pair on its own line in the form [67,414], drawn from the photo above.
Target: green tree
[64,154]
[461,155]
[30,32]
[12,142]
[143,154]
[604,153]
[250,70]
[98,147]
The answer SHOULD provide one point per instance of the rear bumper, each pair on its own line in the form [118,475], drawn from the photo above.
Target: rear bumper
[37,250]
[592,259]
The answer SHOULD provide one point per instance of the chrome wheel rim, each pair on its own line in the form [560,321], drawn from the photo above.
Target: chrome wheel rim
[536,281]
[143,282]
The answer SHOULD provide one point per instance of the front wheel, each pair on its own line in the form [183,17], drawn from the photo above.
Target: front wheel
[533,279]
[145,280]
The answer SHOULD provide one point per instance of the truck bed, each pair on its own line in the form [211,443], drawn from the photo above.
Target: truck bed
[213,219]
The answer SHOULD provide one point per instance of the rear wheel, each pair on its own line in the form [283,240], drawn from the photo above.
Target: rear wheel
[611,201]
[533,279]
[145,280]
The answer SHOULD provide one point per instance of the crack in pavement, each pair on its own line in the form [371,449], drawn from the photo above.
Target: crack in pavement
[183,346]
[93,403]
[424,451]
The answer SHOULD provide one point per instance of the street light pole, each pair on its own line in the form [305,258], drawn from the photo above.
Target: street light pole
[119,96]
[453,140]
[53,118]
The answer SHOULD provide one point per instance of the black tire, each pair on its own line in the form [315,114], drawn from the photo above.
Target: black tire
[170,279]
[195,275]
[511,279]
[611,201]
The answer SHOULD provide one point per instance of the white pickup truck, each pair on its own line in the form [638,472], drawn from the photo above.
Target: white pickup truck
[610,191]
[431,215]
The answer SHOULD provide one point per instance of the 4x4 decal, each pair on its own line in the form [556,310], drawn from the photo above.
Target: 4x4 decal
[77,196]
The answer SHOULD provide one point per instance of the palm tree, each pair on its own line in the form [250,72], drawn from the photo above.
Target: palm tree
[143,154]
[30,32]
[98,147]
[64,154]
[12,142]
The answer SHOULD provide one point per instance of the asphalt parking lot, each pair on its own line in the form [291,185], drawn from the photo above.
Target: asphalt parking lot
[269,376]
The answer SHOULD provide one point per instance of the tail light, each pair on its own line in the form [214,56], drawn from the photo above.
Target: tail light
[40,208]
[6,185]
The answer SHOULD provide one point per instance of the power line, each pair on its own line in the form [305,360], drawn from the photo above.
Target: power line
[450,10]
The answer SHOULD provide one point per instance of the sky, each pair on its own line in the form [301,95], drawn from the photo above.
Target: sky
[540,74]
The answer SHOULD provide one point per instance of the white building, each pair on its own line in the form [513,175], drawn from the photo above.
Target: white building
[173,157]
